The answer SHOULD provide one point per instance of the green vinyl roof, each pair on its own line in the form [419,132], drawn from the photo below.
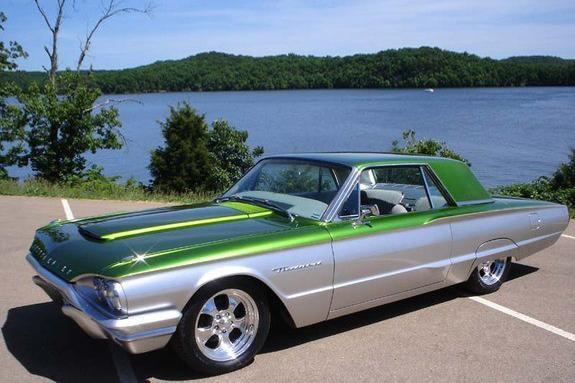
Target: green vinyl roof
[455,176]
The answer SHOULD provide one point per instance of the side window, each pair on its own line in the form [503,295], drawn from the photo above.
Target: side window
[437,199]
[400,190]
[350,207]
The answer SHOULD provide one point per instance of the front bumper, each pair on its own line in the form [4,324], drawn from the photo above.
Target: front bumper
[135,333]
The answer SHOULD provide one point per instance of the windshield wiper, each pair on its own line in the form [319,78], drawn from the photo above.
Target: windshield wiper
[259,202]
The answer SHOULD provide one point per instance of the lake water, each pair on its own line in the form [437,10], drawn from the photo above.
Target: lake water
[508,134]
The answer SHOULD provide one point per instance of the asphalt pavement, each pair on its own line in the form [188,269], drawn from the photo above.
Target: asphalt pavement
[522,333]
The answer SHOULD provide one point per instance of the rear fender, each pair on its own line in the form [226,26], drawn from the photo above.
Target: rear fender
[500,248]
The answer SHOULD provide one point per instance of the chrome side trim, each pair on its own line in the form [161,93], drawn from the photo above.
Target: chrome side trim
[475,202]
[423,175]
[341,196]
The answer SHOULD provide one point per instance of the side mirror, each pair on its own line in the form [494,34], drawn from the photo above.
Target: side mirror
[365,212]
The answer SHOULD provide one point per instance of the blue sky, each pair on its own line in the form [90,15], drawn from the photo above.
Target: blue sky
[180,28]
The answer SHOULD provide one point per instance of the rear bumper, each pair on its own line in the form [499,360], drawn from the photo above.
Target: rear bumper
[135,333]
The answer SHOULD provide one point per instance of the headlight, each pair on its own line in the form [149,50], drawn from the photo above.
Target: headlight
[105,293]
[111,293]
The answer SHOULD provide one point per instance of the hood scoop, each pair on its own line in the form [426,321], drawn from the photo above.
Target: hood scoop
[159,220]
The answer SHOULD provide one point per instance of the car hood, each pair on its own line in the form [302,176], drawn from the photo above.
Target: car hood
[99,245]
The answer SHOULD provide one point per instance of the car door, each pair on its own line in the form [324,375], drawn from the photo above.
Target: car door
[399,250]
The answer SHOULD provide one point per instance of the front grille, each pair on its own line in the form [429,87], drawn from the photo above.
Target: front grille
[37,249]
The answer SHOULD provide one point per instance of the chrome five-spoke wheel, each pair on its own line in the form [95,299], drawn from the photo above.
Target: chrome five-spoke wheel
[227,325]
[491,272]
[223,326]
[488,276]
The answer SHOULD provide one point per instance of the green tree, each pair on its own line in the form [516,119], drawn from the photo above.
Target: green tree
[53,125]
[394,68]
[184,162]
[58,126]
[197,158]
[430,147]
[10,139]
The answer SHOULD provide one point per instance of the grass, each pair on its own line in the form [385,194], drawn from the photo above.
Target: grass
[96,190]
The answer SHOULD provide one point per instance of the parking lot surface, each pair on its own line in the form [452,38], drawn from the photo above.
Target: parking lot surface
[439,336]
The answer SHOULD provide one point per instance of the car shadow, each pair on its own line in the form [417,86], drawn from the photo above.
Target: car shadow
[520,270]
[50,345]
[164,365]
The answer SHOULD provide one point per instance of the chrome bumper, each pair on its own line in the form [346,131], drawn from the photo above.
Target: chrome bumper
[135,333]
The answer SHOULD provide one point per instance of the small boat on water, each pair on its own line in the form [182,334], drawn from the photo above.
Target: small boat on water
[430,90]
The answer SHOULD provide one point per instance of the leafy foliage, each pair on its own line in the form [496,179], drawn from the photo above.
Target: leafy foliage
[54,128]
[195,158]
[230,154]
[8,56]
[423,67]
[431,147]
[560,187]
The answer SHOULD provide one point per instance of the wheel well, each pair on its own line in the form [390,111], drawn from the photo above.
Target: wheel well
[279,312]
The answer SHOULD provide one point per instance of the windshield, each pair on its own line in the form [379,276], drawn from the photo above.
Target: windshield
[300,187]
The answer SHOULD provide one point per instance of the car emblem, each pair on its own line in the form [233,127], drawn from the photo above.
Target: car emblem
[296,267]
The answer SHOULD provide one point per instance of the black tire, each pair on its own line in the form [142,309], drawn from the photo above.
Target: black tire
[476,285]
[183,340]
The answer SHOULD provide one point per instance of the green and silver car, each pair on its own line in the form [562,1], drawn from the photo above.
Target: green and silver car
[309,236]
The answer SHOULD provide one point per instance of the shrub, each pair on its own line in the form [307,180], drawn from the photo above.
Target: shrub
[197,158]
[560,187]
[430,147]
[230,153]
[184,162]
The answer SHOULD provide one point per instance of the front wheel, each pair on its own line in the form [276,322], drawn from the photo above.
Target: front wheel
[223,328]
[488,276]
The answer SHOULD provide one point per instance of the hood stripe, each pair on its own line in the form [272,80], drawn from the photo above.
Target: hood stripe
[180,225]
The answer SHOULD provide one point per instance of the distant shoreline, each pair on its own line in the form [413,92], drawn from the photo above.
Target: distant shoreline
[343,89]
[407,68]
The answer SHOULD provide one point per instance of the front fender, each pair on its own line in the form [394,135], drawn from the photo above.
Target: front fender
[305,291]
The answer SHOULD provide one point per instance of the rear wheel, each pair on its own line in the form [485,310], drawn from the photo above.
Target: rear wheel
[224,327]
[489,276]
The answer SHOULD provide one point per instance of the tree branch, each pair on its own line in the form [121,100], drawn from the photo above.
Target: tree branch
[112,101]
[48,52]
[55,29]
[43,13]
[111,10]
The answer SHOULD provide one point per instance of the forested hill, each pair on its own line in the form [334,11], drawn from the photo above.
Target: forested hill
[409,67]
